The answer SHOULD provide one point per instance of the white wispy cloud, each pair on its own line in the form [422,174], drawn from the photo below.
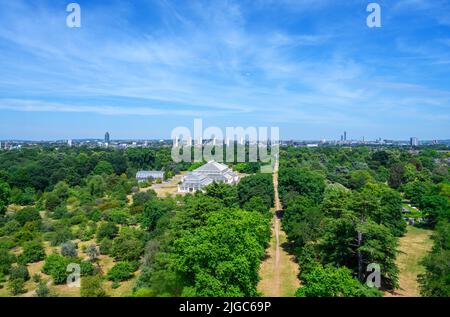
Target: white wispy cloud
[205,60]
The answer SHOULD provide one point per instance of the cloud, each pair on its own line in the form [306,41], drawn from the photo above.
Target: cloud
[223,59]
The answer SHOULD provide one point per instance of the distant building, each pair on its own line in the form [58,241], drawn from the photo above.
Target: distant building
[149,175]
[69,143]
[205,175]
[107,137]
[345,135]
[413,141]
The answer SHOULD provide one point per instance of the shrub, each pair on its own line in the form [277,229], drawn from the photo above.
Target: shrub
[27,214]
[36,277]
[126,247]
[122,271]
[69,249]
[16,286]
[118,216]
[33,251]
[60,212]
[61,234]
[19,272]
[6,260]
[52,201]
[105,246]
[91,286]
[56,266]
[42,290]
[92,252]
[107,230]
[86,268]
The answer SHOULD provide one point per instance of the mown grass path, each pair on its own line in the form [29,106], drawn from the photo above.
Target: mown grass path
[278,272]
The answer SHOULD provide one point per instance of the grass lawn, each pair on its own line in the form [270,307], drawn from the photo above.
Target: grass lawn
[170,188]
[413,247]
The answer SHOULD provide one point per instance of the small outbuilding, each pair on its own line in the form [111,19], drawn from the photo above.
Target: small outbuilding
[149,175]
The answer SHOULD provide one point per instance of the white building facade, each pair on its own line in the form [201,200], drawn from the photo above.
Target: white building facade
[205,175]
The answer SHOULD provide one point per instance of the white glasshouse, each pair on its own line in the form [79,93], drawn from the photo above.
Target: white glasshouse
[205,175]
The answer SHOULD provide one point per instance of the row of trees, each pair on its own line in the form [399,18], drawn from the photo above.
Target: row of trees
[341,216]
[31,171]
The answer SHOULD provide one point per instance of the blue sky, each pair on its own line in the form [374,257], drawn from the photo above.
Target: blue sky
[140,68]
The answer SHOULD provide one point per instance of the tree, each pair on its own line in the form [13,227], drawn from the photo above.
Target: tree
[55,265]
[33,251]
[107,230]
[69,249]
[52,201]
[5,194]
[396,175]
[435,281]
[222,258]
[92,252]
[435,208]
[154,210]
[226,193]
[256,203]
[119,216]
[103,167]
[359,178]
[96,186]
[25,197]
[16,286]
[391,212]
[42,290]
[60,212]
[105,246]
[19,272]
[121,271]
[27,214]
[60,235]
[332,282]
[301,181]
[257,185]
[91,286]
[6,260]
[126,247]
[61,190]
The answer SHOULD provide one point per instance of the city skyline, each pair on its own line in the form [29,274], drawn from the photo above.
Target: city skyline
[141,69]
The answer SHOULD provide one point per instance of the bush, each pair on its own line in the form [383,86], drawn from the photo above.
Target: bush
[69,249]
[92,252]
[60,212]
[33,251]
[86,268]
[107,230]
[118,216]
[333,282]
[105,246]
[52,202]
[6,260]
[56,266]
[19,272]
[91,286]
[122,271]
[61,234]
[126,247]
[27,214]
[36,278]
[16,286]
[42,290]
